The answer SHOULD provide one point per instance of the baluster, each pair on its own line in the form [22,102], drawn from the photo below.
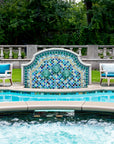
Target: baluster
[19,54]
[2,53]
[71,49]
[112,52]
[80,53]
[10,54]
[104,52]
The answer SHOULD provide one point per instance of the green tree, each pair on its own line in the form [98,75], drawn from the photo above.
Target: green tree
[56,22]
[100,21]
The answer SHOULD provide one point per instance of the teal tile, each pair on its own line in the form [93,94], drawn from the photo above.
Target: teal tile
[54,76]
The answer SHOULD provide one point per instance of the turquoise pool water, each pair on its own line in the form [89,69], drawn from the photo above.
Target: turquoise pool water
[96,96]
[86,128]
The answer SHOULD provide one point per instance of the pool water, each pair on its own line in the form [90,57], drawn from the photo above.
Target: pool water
[96,96]
[88,128]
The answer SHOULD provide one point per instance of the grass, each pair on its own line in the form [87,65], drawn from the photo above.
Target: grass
[16,76]
[95,76]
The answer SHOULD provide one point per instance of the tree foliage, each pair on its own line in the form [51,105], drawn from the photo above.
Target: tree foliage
[100,25]
[56,22]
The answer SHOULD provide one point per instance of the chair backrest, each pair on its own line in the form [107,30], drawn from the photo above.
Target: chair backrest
[4,67]
[109,67]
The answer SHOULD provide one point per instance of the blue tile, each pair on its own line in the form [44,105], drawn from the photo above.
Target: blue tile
[57,66]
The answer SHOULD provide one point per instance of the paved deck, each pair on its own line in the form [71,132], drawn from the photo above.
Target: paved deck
[18,86]
[69,105]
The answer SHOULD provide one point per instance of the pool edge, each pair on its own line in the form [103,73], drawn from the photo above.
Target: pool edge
[64,105]
[85,106]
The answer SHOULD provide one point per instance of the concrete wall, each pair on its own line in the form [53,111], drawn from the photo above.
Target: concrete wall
[16,62]
[95,63]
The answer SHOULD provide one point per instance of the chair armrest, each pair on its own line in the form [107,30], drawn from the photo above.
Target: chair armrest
[7,72]
[104,71]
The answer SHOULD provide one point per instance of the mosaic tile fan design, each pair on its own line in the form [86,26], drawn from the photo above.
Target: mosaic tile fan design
[56,69]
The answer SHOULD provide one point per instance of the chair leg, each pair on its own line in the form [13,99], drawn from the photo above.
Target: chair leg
[11,82]
[3,82]
[108,81]
[101,81]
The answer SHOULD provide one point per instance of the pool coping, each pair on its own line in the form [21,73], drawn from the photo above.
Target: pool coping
[69,105]
[56,105]
[89,88]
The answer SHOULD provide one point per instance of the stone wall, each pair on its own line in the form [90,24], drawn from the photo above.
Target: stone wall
[94,63]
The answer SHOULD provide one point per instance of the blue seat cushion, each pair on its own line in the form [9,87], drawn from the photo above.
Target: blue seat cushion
[4,67]
[110,74]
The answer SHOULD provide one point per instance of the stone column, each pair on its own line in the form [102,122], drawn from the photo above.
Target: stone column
[113,53]
[71,48]
[104,52]
[80,53]
[10,54]
[2,54]
[19,54]
[31,50]
[92,52]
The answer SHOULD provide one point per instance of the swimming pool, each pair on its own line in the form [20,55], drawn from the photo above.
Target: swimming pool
[89,96]
[79,129]
[86,128]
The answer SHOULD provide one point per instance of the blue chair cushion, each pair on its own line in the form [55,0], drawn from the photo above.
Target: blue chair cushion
[4,67]
[110,74]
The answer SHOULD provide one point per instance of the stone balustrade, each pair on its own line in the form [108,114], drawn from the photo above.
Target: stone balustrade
[31,49]
[9,49]
[93,54]
[106,52]
[84,51]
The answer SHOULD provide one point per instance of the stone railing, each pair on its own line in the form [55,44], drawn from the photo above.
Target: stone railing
[84,51]
[81,50]
[92,54]
[12,51]
[106,52]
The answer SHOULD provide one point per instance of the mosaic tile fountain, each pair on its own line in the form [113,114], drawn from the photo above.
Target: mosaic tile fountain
[56,69]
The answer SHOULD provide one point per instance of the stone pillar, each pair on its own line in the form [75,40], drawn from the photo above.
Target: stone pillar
[2,53]
[92,52]
[19,54]
[104,52]
[80,53]
[31,50]
[71,48]
[10,54]
[113,53]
